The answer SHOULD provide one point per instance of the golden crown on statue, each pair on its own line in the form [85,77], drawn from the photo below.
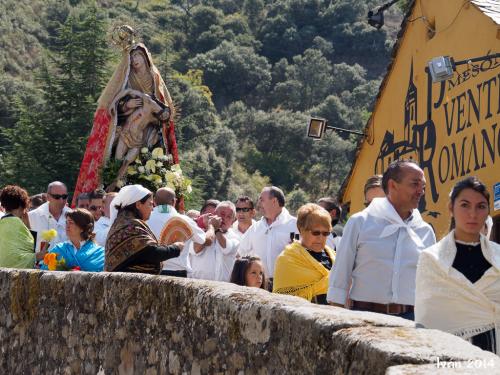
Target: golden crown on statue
[123,36]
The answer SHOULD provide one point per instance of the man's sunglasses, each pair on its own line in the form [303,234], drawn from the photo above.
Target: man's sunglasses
[316,233]
[59,196]
[244,209]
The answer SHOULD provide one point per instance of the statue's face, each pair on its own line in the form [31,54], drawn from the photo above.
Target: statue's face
[138,60]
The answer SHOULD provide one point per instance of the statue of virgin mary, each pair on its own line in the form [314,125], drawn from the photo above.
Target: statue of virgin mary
[135,110]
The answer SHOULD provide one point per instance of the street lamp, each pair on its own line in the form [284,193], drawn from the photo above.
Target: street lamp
[441,68]
[317,127]
[376,19]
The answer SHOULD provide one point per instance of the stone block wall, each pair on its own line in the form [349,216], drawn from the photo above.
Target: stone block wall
[115,323]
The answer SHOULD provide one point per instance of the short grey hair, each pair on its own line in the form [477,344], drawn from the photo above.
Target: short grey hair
[227,204]
[54,184]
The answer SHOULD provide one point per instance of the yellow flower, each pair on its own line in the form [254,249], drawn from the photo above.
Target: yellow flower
[176,168]
[144,150]
[157,153]
[156,179]
[151,166]
[170,177]
[50,259]
[131,171]
[49,235]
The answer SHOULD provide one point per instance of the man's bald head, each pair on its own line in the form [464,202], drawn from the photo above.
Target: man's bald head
[165,196]
[56,184]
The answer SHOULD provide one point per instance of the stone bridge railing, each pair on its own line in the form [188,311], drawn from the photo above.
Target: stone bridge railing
[104,323]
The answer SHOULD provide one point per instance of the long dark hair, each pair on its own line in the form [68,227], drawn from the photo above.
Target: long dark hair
[473,183]
[240,269]
[132,207]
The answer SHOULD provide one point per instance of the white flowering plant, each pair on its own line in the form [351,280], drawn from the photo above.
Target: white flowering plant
[153,170]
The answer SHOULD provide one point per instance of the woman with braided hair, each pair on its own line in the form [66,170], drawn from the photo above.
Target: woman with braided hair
[80,251]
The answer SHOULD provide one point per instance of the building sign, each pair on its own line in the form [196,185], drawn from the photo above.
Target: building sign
[464,111]
[496,196]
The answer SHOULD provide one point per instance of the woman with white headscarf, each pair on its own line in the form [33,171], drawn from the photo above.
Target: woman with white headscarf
[131,246]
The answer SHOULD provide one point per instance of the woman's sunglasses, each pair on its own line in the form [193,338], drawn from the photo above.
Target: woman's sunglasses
[316,233]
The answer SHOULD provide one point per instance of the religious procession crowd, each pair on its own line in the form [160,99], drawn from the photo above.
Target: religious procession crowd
[384,260]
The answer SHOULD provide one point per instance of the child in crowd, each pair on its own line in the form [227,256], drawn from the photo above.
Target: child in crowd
[249,271]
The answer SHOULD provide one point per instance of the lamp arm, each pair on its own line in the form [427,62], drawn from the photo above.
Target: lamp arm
[387,6]
[477,59]
[344,130]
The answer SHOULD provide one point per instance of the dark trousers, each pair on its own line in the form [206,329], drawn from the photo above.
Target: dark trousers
[174,273]
[410,315]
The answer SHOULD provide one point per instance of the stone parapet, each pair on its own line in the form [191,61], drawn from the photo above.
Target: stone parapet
[117,323]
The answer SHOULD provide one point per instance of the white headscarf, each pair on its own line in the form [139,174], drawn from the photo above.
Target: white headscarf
[128,194]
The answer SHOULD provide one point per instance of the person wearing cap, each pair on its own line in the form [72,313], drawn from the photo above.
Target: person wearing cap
[131,246]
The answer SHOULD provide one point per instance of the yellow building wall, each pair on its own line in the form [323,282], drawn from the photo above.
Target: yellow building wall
[460,134]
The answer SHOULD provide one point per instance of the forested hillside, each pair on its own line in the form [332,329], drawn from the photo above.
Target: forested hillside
[245,76]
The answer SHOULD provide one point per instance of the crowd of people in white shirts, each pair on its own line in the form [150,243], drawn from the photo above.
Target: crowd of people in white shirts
[378,262]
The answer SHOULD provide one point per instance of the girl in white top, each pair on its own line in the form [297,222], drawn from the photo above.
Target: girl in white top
[458,279]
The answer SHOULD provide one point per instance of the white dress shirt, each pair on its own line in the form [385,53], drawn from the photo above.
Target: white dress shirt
[41,220]
[333,242]
[157,221]
[379,253]
[215,262]
[101,229]
[269,240]
[237,231]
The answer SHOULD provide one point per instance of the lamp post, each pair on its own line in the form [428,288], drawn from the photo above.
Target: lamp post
[317,127]
[376,18]
[442,68]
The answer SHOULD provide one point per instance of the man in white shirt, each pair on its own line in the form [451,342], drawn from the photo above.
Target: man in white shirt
[101,227]
[216,261]
[380,247]
[331,205]
[164,211]
[51,214]
[96,205]
[83,201]
[272,233]
[245,212]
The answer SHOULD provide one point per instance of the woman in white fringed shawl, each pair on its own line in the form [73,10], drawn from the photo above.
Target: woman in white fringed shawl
[458,279]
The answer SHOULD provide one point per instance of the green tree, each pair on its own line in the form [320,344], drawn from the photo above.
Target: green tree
[234,73]
[295,199]
[308,81]
[53,140]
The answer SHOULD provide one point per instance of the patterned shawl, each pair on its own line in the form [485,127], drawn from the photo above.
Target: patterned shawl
[297,273]
[127,237]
